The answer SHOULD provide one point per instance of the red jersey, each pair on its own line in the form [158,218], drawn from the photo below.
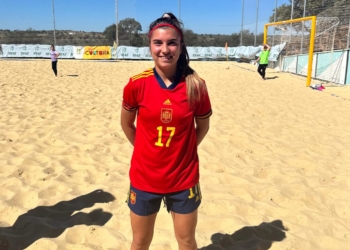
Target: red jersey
[165,156]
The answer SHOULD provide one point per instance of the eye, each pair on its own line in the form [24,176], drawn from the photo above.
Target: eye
[173,43]
[157,42]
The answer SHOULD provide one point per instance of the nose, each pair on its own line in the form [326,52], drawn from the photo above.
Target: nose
[165,48]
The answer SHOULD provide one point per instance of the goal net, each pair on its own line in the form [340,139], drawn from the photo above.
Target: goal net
[304,47]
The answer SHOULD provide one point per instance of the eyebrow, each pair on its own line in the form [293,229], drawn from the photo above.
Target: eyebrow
[170,40]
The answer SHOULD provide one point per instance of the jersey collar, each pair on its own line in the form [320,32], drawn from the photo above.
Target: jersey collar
[161,82]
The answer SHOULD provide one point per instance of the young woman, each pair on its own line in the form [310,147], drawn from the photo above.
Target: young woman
[264,60]
[171,107]
[54,54]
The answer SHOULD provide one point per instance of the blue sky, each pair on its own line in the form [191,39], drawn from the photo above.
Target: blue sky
[201,16]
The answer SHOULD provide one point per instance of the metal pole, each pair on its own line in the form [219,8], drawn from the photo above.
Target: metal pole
[256,25]
[348,43]
[302,34]
[274,20]
[291,17]
[54,23]
[179,9]
[116,28]
[242,23]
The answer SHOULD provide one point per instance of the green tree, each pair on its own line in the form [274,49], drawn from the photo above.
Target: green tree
[341,9]
[190,37]
[247,38]
[234,40]
[128,29]
[283,13]
[110,33]
[136,40]
[313,8]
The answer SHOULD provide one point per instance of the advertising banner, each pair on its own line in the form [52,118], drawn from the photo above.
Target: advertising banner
[97,52]
[274,52]
[133,53]
[247,52]
[78,52]
[65,51]
[126,52]
[207,52]
[34,51]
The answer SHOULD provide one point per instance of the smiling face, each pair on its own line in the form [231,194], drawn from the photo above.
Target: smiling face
[165,47]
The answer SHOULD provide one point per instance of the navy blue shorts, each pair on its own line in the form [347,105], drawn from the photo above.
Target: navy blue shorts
[145,203]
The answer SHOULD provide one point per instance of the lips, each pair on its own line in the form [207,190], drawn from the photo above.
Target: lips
[166,57]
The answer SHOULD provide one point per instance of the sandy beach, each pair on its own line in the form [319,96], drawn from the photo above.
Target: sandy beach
[274,165]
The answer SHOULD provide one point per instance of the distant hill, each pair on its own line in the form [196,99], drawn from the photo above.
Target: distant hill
[63,37]
[82,38]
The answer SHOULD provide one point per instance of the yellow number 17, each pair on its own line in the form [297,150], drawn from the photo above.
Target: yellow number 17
[160,136]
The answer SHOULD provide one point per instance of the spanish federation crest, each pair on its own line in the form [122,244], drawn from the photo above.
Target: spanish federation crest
[132,197]
[166,115]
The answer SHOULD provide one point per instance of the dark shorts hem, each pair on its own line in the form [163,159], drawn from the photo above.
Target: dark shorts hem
[146,203]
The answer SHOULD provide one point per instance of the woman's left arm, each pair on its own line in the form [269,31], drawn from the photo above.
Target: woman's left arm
[202,127]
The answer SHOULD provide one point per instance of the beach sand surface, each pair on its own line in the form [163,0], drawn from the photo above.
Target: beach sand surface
[274,165]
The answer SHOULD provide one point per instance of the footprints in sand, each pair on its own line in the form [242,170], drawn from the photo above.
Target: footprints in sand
[56,142]
[120,138]
[217,167]
[53,191]
[19,172]
[260,172]
[280,148]
[100,149]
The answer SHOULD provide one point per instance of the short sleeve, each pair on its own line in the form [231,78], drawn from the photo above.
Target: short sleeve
[129,97]
[203,108]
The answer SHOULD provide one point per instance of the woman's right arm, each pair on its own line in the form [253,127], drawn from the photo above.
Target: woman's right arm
[127,121]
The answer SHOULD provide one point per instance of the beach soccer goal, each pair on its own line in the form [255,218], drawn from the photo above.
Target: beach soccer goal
[298,34]
[310,48]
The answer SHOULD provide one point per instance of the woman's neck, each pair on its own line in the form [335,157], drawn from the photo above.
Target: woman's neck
[168,76]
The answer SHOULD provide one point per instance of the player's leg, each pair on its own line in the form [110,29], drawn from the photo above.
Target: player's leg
[260,70]
[184,210]
[264,71]
[54,67]
[142,230]
[185,230]
[144,208]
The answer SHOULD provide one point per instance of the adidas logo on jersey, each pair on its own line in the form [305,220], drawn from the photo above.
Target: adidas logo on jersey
[167,102]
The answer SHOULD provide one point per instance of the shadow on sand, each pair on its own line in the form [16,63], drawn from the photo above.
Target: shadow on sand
[271,78]
[249,238]
[52,221]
